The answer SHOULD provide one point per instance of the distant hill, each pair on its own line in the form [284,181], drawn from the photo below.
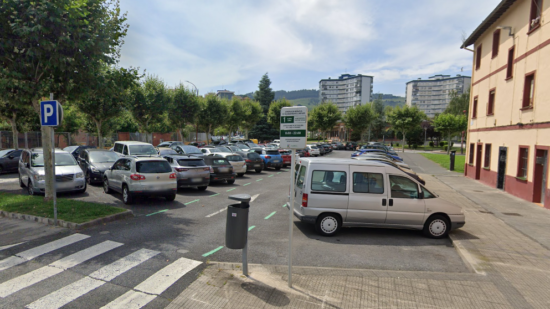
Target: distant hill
[390,99]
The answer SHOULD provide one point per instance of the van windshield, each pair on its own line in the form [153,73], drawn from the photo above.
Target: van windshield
[61,159]
[137,150]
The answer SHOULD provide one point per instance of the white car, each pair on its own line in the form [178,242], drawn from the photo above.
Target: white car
[238,163]
[313,150]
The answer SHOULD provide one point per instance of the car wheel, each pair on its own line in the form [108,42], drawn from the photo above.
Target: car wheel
[170,198]
[240,174]
[232,181]
[202,188]
[278,168]
[328,224]
[30,188]
[106,188]
[21,184]
[126,196]
[258,170]
[437,226]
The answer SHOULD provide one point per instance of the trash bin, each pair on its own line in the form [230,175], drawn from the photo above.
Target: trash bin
[452,157]
[236,229]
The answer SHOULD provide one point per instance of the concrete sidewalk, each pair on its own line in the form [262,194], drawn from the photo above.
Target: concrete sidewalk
[505,242]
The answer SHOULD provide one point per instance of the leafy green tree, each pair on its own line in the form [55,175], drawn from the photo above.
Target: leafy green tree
[253,114]
[237,115]
[378,125]
[214,113]
[449,125]
[264,95]
[148,102]
[183,109]
[13,112]
[311,127]
[274,114]
[50,46]
[326,116]
[405,119]
[459,104]
[358,119]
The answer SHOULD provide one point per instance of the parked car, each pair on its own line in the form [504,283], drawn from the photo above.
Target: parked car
[131,148]
[362,151]
[242,146]
[9,159]
[272,158]
[234,149]
[191,171]
[220,169]
[75,150]
[286,155]
[253,161]
[94,163]
[169,144]
[238,163]
[351,146]
[224,149]
[327,147]
[207,151]
[188,150]
[381,148]
[313,150]
[69,177]
[166,151]
[197,144]
[352,193]
[303,152]
[141,176]
[405,169]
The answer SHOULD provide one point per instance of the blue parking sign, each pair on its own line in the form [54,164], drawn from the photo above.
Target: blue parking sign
[50,113]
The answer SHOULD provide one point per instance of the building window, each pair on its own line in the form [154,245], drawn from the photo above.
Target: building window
[510,66]
[474,108]
[523,159]
[491,103]
[478,57]
[496,42]
[534,17]
[471,158]
[528,91]
[487,161]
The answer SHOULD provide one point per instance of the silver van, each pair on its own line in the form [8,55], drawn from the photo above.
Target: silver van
[68,174]
[135,149]
[332,194]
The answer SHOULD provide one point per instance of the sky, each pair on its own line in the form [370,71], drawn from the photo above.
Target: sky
[230,44]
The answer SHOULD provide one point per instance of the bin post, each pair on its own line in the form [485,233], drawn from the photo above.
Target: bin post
[452,158]
[236,229]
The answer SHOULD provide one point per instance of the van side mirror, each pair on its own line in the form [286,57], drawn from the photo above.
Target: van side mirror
[421,195]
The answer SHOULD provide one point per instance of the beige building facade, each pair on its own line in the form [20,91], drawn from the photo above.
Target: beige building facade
[509,119]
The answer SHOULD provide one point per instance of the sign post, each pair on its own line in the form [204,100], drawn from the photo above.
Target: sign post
[293,135]
[51,115]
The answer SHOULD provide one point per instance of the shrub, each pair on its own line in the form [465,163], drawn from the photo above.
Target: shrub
[396,144]
[441,144]
[431,144]
[415,146]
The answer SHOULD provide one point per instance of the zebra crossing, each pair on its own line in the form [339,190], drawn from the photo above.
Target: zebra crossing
[136,296]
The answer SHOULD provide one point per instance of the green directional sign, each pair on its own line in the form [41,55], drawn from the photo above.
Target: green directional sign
[287,119]
[293,133]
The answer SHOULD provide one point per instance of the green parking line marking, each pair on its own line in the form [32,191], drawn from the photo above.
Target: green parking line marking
[231,189]
[156,212]
[269,216]
[250,228]
[213,251]
[191,202]
[246,184]
[279,173]
[259,179]
[270,175]
[214,194]
[284,205]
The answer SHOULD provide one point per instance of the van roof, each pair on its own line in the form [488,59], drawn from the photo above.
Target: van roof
[343,161]
[131,143]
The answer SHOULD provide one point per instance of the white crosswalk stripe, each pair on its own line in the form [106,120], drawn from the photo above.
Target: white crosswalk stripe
[154,285]
[9,246]
[96,279]
[16,284]
[30,254]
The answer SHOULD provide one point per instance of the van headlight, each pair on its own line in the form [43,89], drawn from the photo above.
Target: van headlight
[79,175]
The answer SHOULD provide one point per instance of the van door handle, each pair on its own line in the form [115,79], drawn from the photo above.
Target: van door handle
[383,202]
[391,202]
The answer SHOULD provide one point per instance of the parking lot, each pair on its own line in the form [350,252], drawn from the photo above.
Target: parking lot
[194,225]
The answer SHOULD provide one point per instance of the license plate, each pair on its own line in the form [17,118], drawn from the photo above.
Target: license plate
[196,179]
[275,161]
[224,170]
[256,165]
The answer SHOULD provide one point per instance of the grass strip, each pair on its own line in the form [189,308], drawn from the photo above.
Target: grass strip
[191,202]
[270,215]
[158,212]
[67,209]
[445,161]
[213,251]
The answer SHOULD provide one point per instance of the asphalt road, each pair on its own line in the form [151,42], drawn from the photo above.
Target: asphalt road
[193,227]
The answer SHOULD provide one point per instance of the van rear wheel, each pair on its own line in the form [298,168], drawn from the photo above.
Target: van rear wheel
[328,224]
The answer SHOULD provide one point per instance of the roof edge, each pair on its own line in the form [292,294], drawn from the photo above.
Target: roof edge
[501,8]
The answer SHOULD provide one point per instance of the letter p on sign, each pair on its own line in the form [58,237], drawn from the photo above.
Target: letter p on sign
[49,113]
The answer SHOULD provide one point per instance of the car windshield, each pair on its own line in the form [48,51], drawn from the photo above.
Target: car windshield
[167,152]
[242,146]
[103,156]
[234,158]
[153,167]
[224,149]
[190,149]
[61,159]
[136,150]
[5,152]
[197,162]
[70,148]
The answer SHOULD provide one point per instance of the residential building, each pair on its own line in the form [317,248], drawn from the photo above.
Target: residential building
[432,96]
[509,122]
[225,94]
[346,91]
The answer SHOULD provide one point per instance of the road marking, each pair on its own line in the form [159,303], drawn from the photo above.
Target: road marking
[270,175]
[98,278]
[158,212]
[259,179]
[284,205]
[246,184]
[191,202]
[279,173]
[254,197]
[40,250]
[217,212]
[164,278]
[130,300]
[213,251]
[214,194]
[231,189]
[270,215]
[18,283]
[250,228]
[9,246]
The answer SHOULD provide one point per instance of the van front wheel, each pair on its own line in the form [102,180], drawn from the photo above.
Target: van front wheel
[437,226]
[328,224]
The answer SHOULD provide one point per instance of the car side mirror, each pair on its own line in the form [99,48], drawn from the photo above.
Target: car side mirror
[421,195]
[10,157]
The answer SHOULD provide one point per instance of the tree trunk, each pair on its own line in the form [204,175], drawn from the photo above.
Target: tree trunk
[14,132]
[98,125]
[403,146]
[48,167]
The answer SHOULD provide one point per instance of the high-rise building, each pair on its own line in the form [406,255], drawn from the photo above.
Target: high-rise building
[346,91]
[432,96]
[225,94]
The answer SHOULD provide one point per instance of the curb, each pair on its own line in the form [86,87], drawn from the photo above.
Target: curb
[471,262]
[67,224]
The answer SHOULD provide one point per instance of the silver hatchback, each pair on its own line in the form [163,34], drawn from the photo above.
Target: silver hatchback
[190,171]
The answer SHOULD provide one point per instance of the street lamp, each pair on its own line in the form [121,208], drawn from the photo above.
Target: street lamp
[196,89]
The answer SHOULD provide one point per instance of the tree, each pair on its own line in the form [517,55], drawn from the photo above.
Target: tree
[326,116]
[184,107]
[50,46]
[213,114]
[14,112]
[404,119]
[274,114]
[358,118]
[253,114]
[149,102]
[311,127]
[72,120]
[264,95]
[237,115]
[449,125]
[378,125]
[459,104]
[105,96]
